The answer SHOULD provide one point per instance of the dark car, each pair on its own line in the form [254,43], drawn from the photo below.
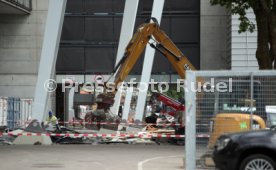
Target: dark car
[251,150]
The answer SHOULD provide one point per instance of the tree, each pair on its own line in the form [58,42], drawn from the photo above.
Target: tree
[265,13]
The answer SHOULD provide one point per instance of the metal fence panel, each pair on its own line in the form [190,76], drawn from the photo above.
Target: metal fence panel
[11,120]
[15,112]
[226,101]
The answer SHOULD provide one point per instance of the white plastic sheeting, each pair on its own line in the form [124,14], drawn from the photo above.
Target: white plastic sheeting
[25,111]
[3,111]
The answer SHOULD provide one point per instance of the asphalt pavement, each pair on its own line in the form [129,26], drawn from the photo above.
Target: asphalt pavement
[89,157]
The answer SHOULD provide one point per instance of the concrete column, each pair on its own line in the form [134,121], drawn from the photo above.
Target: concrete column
[71,111]
[126,109]
[190,121]
[128,23]
[157,10]
[48,57]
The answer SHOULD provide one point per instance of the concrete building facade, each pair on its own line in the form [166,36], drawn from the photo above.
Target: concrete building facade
[243,46]
[214,28]
[21,37]
[21,42]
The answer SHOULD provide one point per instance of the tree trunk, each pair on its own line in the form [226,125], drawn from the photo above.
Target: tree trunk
[262,52]
[272,36]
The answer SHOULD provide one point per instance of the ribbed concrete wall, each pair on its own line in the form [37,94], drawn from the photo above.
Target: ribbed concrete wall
[21,40]
[20,47]
[214,53]
[243,46]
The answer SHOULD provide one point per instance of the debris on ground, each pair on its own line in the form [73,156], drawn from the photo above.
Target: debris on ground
[128,140]
[206,161]
[6,140]
[134,134]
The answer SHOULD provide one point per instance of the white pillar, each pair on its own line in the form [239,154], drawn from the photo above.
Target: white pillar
[71,111]
[126,109]
[48,57]
[190,121]
[128,23]
[157,10]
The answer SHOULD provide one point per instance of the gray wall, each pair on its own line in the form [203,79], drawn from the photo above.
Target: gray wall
[21,41]
[243,46]
[20,47]
[90,40]
[214,53]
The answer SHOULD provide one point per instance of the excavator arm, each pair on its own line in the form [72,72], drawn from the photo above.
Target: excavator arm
[147,33]
[150,33]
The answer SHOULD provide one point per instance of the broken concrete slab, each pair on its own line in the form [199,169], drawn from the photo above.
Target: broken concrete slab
[31,140]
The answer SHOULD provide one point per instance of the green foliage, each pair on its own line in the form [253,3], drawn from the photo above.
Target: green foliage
[239,7]
[173,93]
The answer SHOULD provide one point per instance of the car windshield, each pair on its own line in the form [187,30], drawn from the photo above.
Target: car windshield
[272,119]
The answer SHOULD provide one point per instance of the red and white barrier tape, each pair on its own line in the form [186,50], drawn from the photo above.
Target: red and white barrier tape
[102,135]
[123,123]
[106,123]
[112,123]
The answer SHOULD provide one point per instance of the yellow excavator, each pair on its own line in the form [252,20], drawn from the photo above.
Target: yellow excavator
[147,33]
[160,41]
[150,33]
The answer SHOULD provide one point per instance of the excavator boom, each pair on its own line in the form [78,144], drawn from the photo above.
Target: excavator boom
[147,33]
[150,33]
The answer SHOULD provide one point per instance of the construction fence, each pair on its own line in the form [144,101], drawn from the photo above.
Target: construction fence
[14,112]
[224,102]
[216,102]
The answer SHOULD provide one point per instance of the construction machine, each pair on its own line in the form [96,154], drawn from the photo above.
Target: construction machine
[231,111]
[168,101]
[223,121]
[236,110]
[151,33]
[147,33]
[172,109]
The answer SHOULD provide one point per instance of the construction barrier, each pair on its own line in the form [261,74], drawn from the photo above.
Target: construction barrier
[229,101]
[26,120]
[121,123]
[142,135]
[14,112]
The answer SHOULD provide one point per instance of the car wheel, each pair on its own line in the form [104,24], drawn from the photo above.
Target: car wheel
[258,162]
